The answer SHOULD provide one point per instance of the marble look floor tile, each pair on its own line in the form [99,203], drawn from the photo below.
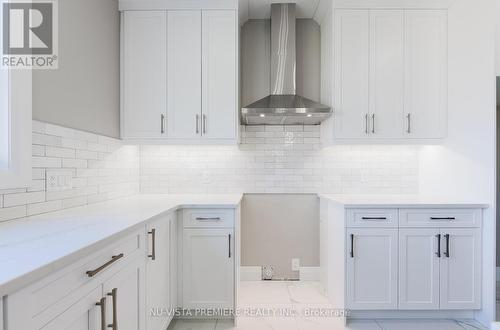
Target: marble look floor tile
[363,325]
[263,292]
[307,293]
[419,325]
[471,325]
[266,323]
[192,325]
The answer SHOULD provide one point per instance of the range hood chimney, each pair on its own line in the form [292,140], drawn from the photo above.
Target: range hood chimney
[284,106]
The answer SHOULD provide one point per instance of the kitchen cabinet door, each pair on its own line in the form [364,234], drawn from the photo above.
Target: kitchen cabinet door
[386,73]
[352,54]
[184,74]
[158,274]
[125,298]
[144,74]
[425,73]
[83,315]
[372,272]
[460,280]
[419,268]
[208,268]
[220,74]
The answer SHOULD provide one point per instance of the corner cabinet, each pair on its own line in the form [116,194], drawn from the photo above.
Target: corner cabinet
[179,76]
[389,74]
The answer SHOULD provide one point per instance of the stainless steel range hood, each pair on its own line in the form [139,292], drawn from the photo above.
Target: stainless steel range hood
[283,106]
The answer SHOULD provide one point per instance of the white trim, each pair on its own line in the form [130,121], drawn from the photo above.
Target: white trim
[309,273]
[393,4]
[250,273]
[177,4]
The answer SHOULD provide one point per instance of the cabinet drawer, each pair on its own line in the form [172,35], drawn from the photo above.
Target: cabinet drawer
[203,218]
[387,218]
[47,298]
[440,218]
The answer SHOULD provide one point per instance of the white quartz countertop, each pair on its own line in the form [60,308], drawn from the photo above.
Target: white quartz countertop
[399,201]
[33,247]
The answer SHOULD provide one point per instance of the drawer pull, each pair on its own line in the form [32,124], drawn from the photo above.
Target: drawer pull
[114,325]
[153,241]
[374,218]
[102,304]
[208,219]
[92,273]
[438,253]
[443,218]
[229,240]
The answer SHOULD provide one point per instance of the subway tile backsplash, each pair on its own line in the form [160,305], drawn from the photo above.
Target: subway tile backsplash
[271,159]
[100,168]
[280,159]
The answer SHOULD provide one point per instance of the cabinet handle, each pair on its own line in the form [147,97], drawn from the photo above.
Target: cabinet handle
[153,247]
[114,325]
[443,218]
[352,246]
[92,273]
[204,124]
[229,240]
[408,118]
[162,124]
[366,123]
[447,252]
[102,304]
[373,218]
[208,219]
[373,123]
[438,253]
[197,124]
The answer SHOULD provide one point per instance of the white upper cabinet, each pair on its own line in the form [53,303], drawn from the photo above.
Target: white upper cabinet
[390,74]
[386,73]
[219,115]
[179,76]
[426,73]
[184,79]
[351,73]
[144,74]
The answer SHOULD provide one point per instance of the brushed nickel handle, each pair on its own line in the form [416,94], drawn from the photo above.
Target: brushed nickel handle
[438,252]
[92,273]
[351,253]
[102,304]
[366,123]
[204,124]
[153,240]
[162,124]
[229,240]
[443,218]
[408,117]
[197,124]
[373,218]
[373,123]
[113,295]
[208,219]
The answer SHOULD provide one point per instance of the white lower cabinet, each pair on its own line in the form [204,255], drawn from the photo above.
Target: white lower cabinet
[208,268]
[372,268]
[412,267]
[158,289]
[418,268]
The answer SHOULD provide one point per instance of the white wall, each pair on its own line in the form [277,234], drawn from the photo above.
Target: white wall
[463,167]
[84,92]
[497,44]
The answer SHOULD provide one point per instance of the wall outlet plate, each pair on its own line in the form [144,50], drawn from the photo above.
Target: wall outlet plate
[59,180]
[295,264]
[267,272]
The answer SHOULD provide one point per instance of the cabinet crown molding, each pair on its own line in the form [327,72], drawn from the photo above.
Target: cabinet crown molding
[125,5]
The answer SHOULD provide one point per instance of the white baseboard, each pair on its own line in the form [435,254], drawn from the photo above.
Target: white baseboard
[309,274]
[250,273]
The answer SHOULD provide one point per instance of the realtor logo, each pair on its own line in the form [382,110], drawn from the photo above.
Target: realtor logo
[29,38]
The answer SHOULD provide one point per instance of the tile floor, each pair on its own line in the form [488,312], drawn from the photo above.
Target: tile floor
[301,299]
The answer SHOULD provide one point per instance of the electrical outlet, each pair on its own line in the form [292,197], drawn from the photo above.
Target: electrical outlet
[295,264]
[59,180]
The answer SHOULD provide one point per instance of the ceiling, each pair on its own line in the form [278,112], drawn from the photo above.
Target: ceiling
[261,9]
